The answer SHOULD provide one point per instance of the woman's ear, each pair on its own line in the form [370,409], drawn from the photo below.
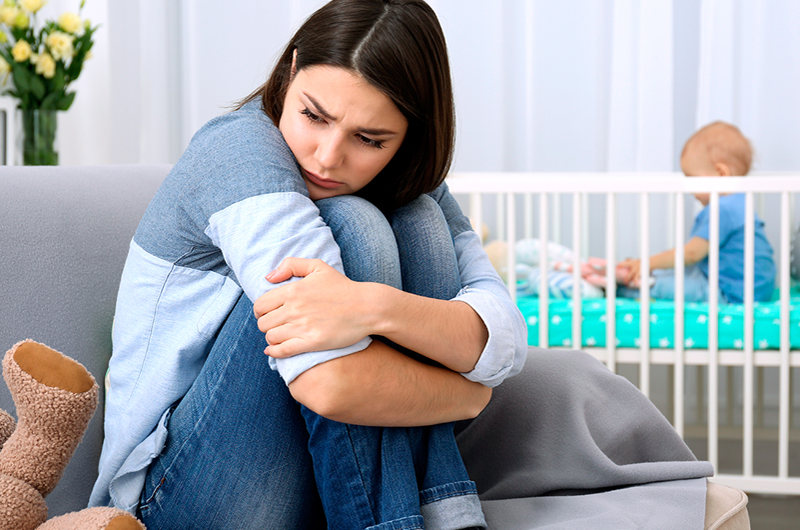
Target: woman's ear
[722,169]
[293,71]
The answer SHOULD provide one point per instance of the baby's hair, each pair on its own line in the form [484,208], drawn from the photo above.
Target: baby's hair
[723,142]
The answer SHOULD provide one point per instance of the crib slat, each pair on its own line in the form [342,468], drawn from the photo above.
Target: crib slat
[577,237]
[476,213]
[528,215]
[500,217]
[749,269]
[511,238]
[713,335]
[544,293]
[585,225]
[644,295]
[680,222]
[784,403]
[556,228]
[611,281]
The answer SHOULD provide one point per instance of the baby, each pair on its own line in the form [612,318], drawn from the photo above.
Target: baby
[717,150]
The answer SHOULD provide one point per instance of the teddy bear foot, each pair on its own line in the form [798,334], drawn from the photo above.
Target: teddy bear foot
[23,508]
[94,519]
[55,398]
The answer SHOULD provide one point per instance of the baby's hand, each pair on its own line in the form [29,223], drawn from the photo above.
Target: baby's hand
[629,271]
[324,310]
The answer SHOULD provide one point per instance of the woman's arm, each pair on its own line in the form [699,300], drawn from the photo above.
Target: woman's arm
[377,385]
[383,387]
[328,310]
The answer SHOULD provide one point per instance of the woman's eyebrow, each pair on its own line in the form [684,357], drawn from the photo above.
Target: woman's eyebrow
[329,116]
[319,108]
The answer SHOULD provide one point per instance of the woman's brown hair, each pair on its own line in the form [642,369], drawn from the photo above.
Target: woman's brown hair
[397,46]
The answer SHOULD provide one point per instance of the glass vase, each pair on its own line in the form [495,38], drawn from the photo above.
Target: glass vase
[39,142]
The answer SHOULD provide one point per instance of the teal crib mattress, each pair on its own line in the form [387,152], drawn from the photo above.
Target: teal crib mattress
[662,323]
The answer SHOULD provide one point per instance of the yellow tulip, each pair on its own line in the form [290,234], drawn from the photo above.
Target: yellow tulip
[60,45]
[31,6]
[21,51]
[46,66]
[8,14]
[22,20]
[69,22]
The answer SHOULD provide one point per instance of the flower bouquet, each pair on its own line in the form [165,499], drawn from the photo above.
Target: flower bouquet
[42,62]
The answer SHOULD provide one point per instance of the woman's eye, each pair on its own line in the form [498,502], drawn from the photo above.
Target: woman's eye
[311,116]
[370,142]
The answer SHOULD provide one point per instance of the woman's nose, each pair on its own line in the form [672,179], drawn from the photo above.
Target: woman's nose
[330,152]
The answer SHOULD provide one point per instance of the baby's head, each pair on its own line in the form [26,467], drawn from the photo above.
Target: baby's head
[717,150]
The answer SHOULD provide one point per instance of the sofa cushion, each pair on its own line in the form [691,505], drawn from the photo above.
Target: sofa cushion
[64,236]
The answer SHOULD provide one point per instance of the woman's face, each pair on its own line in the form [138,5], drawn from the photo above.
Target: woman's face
[342,130]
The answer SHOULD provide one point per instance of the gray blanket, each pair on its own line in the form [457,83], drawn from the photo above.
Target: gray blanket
[566,444]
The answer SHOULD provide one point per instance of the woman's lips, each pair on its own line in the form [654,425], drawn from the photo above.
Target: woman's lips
[321,182]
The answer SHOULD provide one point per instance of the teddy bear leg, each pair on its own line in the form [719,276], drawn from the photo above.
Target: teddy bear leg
[94,519]
[21,506]
[7,426]
[55,398]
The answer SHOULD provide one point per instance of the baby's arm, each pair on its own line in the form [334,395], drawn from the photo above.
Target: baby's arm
[694,251]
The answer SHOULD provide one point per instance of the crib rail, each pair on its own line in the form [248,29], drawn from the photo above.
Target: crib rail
[506,187]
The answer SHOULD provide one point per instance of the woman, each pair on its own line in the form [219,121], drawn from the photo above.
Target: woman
[199,430]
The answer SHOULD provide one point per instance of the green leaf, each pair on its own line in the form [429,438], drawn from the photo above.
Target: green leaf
[21,76]
[37,86]
[76,66]
[65,102]
[59,80]
[50,101]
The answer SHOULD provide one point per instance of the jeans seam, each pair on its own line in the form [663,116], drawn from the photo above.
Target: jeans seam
[461,492]
[362,498]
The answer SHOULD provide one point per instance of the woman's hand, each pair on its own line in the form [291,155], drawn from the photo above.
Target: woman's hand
[322,311]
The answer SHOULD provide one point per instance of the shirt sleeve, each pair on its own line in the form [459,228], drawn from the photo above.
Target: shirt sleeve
[731,220]
[506,350]
[258,213]
[700,226]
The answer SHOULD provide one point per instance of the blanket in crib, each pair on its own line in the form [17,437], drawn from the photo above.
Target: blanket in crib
[662,323]
[568,445]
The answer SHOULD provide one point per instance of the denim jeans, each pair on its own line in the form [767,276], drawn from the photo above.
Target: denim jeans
[241,453]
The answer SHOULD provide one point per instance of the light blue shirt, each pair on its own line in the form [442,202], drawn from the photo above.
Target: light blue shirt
[731,250]
[232,208]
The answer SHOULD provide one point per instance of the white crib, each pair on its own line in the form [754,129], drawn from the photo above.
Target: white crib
[528,199]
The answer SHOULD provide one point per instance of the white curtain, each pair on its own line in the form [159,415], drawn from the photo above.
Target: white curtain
[578,85]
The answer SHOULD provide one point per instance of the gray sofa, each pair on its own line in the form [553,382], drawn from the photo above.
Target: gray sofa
[64,235]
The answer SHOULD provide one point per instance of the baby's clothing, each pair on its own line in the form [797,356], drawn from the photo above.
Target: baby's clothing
[731,260]
[731,250]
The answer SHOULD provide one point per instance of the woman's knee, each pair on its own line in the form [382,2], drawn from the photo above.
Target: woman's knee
[422,217]
[365,238]
[426,248]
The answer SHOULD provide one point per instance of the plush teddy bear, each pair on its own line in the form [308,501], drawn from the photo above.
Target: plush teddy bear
[55,398]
